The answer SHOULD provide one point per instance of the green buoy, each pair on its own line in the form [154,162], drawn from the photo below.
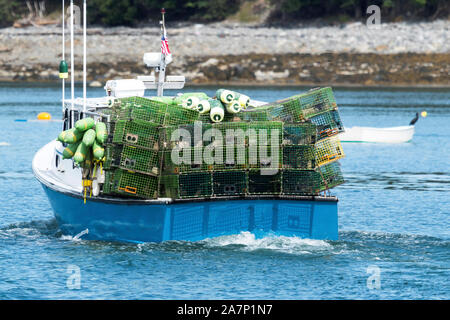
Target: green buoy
[63,70]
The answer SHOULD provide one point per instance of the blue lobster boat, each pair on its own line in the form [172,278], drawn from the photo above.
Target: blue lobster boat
[111,218]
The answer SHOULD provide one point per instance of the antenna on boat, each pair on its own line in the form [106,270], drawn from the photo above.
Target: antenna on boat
[72,67]
[63,69]
[84,54]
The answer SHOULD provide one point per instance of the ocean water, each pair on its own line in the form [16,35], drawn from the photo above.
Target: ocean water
[394,212]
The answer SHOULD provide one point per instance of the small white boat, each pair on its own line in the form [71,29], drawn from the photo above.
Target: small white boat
[378,135]
[400,134]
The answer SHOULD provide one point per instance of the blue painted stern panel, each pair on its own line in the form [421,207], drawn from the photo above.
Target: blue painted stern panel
[193,221]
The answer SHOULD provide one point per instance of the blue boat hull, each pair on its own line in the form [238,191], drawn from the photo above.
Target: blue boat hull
[193,221]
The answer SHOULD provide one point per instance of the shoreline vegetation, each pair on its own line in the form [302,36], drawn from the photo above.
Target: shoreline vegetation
[237,42]
[395,54]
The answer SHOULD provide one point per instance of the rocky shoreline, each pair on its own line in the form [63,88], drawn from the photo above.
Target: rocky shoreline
[396,54]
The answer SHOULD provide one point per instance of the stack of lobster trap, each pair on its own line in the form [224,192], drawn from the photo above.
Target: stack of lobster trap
[289,147]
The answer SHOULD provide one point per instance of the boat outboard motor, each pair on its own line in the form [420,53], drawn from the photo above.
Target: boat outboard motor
[413,121]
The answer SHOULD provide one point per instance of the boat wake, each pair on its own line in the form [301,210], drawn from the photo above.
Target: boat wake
[30,230]
[4,144]
[248,242]
[374,246]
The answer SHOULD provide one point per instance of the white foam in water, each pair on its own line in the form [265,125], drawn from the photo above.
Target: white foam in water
[248,240]
[75,238]
[4,144]
[19,232]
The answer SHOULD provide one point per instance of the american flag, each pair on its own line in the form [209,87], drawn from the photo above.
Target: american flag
[165,46]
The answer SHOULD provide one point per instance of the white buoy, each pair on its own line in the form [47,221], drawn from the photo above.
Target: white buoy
[244,101]
[217,112]
[191,102]
[226,96]
[233,107]
[204,106]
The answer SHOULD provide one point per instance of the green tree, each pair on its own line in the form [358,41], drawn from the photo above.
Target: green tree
[10,10]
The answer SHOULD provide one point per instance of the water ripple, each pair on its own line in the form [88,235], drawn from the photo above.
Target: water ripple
[419,181]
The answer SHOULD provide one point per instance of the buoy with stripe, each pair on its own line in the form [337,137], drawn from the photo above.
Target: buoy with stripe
[63,70]
[84,124]
[70,136]
[81,153]
[70,150]
[89,137]
[101,132]
[98,151]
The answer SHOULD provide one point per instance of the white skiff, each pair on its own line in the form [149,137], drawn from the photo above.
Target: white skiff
[378,135]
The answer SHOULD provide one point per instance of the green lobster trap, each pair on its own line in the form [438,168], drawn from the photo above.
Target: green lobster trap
[268,133]
[137,133]
[229,183]
[299,133]
[328,150]
[299,157]
[264,182]
[184,135]
[169,186]
[312,182]
[265,157]
[331,176]
[303,106]
[132,184]
[160,113]
[247,116]
[301,182]
[233,133]
[230,158]
[184,161]
[195,185]
[107,186]
[140,160]
[328,124]
[112,156]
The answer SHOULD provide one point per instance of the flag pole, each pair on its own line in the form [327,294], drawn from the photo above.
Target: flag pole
[162,65]
[63,56]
